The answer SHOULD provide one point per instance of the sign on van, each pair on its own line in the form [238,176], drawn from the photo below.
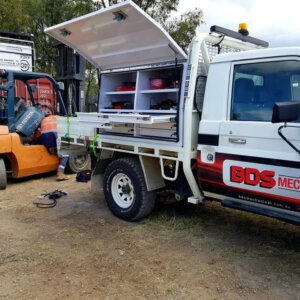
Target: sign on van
[15,57]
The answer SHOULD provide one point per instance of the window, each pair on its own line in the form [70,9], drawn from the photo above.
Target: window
[257,86]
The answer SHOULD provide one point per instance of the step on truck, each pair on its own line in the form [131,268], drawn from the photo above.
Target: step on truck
[220,122]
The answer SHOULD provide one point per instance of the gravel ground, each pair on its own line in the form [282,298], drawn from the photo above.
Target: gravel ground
[78,250]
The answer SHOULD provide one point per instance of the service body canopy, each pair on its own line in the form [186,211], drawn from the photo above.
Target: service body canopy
[119,36]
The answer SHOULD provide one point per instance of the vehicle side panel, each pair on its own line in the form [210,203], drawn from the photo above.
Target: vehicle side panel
[31,159]
[265,181]
[5,143]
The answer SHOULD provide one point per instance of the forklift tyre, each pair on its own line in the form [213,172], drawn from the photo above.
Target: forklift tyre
[125,190]
[3,177]
[78,163]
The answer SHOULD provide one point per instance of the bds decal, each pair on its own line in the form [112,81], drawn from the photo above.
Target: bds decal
[274,180]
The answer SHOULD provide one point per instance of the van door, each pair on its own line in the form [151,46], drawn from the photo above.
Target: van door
[257,164]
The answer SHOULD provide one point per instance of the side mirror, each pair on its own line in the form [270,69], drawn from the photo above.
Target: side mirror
[61,86]
[286,111]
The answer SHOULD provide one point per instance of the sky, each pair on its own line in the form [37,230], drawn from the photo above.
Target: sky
[276,22]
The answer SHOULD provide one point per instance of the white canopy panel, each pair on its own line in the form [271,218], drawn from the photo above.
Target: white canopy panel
[119,36]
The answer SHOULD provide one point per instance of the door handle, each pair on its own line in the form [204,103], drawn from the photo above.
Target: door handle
[237,141]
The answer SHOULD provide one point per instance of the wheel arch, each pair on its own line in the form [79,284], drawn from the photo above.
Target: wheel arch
[150,166]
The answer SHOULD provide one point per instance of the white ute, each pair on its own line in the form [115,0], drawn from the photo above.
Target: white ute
[201,125]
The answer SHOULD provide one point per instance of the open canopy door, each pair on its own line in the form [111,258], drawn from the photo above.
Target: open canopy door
[119,36]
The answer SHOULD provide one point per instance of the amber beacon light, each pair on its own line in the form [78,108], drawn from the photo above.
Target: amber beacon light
[243,29]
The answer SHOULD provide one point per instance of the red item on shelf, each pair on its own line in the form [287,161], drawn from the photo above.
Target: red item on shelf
[117,106]
[158,83]
[123,88]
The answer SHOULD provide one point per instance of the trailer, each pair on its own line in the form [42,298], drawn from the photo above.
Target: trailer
[221,122]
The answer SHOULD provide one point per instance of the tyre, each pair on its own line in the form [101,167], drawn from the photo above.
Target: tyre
[77,163]
[125,190]
[3,177]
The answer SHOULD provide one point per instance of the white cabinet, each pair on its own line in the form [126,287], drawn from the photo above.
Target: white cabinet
[147,92]
[157,100]
[117,91]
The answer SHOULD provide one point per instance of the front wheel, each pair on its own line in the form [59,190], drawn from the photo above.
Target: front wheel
[3,176]
[125,190]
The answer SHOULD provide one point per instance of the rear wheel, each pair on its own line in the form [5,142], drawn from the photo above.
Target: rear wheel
[125,190]
[77,163]
[3,177]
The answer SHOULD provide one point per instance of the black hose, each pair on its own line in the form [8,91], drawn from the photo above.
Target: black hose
[52,197]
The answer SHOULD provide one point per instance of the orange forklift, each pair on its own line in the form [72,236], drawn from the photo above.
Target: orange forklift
[21,154]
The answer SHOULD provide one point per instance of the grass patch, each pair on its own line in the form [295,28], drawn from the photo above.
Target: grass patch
[234,230]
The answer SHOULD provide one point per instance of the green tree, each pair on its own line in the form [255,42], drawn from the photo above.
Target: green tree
[183,29]
[91,82]
[158,10]
[12,17]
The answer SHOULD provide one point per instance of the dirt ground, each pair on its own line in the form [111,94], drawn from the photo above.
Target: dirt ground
[78,250]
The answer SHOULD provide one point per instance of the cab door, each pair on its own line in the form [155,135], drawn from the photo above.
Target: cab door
[257,164]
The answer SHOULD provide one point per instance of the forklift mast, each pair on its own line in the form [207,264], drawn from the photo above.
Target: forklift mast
[70,69]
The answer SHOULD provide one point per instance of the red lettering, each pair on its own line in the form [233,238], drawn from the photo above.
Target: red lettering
[267,179]
[289,183]
[237,174]
[252,176]
[282,182]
